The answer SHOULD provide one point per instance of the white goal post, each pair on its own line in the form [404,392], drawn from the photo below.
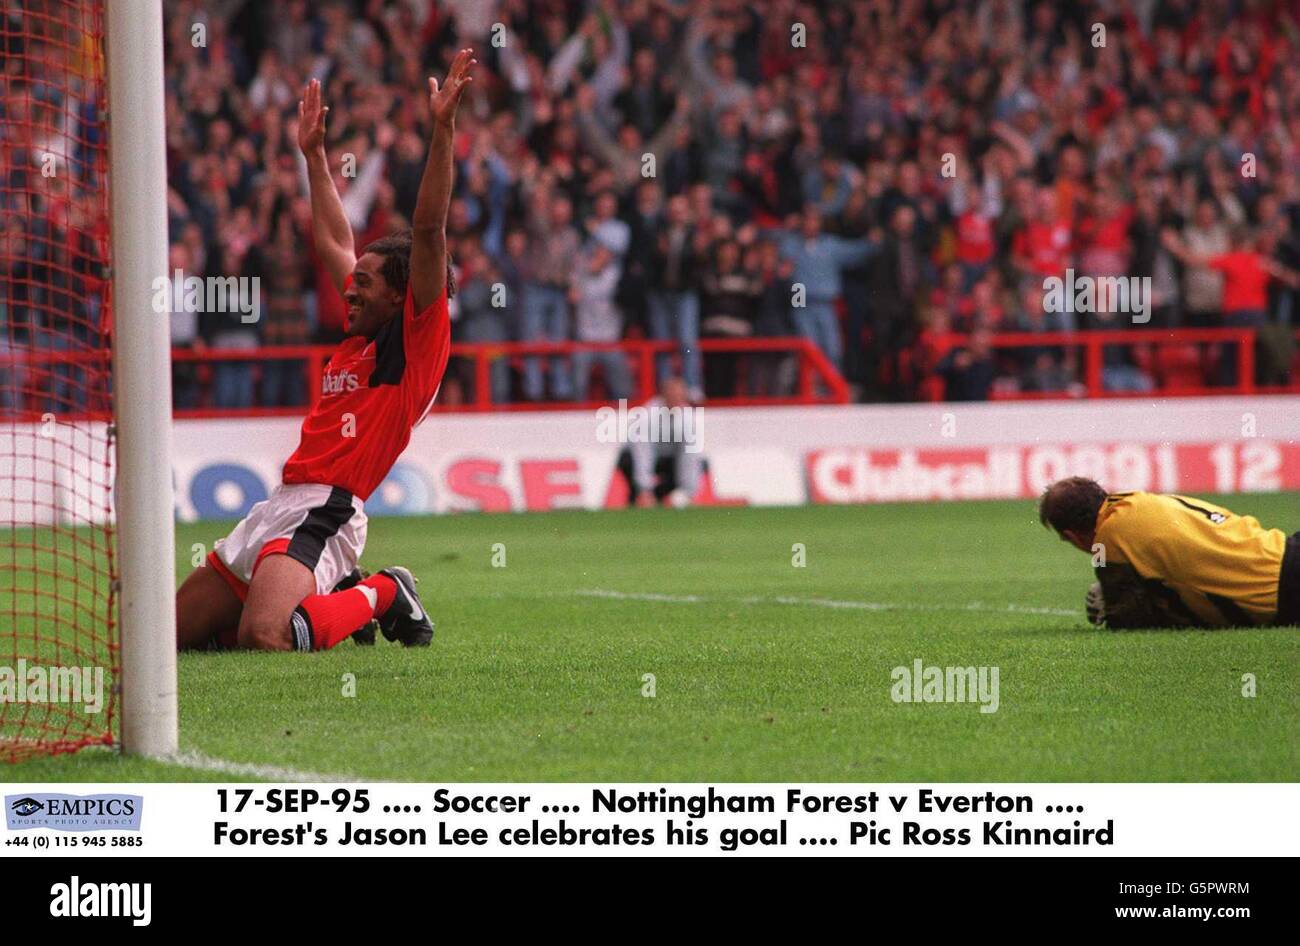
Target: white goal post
[141,377]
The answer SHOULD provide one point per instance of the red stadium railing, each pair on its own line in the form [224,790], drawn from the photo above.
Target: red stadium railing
[1177,360]
[816,379]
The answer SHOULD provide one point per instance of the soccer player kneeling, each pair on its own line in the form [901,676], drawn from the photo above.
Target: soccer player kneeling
[1171,561]
[286,577]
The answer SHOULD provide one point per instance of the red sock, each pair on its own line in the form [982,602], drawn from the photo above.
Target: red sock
[321,621]
[385,589]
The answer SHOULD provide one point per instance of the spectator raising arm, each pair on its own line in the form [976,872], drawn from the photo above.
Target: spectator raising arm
[329,223]
[1190,257]
[609,68]
[429,224]
[1280,272]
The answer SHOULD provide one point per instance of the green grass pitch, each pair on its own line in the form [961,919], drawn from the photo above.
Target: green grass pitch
[762,671]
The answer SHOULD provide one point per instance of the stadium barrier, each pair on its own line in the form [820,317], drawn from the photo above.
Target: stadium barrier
[1177,360]
[752,456]
[816,379]
[36,380]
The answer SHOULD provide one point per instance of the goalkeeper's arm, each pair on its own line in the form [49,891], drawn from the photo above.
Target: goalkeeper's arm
[329,222]
[1123,600]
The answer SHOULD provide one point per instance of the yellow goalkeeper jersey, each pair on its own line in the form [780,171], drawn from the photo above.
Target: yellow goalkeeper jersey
[1223,568]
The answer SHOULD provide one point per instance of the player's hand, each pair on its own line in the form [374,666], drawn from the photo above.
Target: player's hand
[444,99]
[1095,605]
[311,119]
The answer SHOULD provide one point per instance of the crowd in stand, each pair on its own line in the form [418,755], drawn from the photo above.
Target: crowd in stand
[872,175]
[53,214]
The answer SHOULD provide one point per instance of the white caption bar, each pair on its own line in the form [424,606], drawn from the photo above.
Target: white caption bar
[399,819]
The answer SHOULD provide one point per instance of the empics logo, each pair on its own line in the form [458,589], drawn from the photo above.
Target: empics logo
[73,812]
[77,899]
[25,807]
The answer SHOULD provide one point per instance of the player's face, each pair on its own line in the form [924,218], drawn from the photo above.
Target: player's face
[370,299]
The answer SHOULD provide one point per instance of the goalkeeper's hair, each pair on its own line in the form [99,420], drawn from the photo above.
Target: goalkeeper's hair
[1071,503]
[396,268]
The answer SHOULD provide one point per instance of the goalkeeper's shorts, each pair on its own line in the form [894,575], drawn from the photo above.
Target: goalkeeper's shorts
[1288,583]
[323,527]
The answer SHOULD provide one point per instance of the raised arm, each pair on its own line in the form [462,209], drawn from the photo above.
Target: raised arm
[1280,271]
[850,253]
[1180,250]
[329,223]
[429,223]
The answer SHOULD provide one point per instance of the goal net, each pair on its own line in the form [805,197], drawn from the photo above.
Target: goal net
[59,653]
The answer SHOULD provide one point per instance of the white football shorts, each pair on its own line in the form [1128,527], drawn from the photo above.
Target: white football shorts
[323,527]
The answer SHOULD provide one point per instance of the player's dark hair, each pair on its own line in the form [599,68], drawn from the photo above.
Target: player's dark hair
[1071,503]
[396,267]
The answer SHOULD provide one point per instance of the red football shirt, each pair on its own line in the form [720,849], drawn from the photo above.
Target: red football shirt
[373,392]
[1245,281]
[975,241]
[1046,246]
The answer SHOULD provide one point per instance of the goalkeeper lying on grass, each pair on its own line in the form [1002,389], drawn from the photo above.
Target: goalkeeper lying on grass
[1171,561]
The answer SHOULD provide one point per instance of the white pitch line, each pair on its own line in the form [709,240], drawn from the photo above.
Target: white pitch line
[193,759]
[829,603]
[638,596]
